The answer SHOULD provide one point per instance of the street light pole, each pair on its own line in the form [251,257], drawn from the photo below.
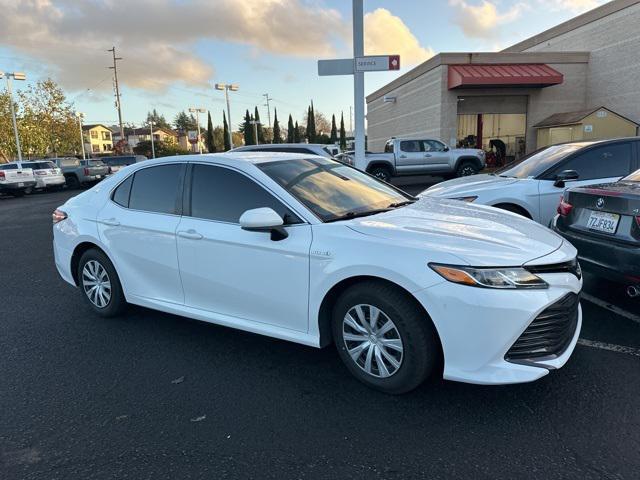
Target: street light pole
[153,145]
[226,87]
[80,116]
[198,111]
[16,76]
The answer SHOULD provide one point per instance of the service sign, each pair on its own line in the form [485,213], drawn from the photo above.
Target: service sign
[379,63]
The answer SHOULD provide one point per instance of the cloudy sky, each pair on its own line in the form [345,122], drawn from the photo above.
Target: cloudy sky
[173,50]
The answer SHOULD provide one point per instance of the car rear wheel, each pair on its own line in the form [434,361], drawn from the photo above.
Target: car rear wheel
[467,168]
[100,285]
[72,181]
[381,173]
[384,339]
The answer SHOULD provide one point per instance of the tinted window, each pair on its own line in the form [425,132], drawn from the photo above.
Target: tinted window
[222,194]
[156,189]
[69,162]
[9,166]
[121,194]
[38,165]
[433,146]
[388,148]
[612,160]
[410,146]
[332,190]
[538,162]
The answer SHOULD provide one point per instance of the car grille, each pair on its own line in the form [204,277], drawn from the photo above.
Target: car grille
[571,266]
[549,335]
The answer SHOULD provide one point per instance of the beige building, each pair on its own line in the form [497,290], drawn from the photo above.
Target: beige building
[589,62]
[143,134]
[97,139]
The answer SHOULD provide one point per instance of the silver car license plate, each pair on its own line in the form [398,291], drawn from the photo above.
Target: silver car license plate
[603,222]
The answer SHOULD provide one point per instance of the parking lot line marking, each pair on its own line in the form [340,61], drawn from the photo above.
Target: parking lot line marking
[611,308]
[610,347]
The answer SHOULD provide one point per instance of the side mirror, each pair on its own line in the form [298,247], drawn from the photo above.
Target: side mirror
[445,149]
[565,176]
[264,220]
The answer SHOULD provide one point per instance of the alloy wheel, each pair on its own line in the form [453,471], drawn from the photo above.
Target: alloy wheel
[96,284]
[372,341]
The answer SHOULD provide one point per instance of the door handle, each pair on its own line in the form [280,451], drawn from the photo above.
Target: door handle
[112,222]
[190,234]
[403,156]
[427,154]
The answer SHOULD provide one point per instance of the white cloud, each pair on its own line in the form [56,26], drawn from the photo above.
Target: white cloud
[158,38]
[574,6]
[484,20]
[387,34]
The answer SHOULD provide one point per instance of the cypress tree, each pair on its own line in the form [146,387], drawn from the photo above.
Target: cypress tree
[225,125]
[343,134]
[211,144]
[290,133]
[256,117]
[296,134]
[311,133]
[308,129]
[247,129]
[334,130]
[277,135]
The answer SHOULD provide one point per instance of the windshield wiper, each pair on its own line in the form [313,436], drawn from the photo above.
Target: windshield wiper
[350,215]
[402,204]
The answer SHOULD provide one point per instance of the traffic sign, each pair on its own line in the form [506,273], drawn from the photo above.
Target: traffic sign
[377,63]
[340,66]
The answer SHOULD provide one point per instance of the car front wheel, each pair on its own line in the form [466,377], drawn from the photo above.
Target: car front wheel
[384,339]
[100,285]
[467,168]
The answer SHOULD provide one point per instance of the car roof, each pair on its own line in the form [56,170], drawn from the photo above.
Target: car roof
[233,158]
[281,145]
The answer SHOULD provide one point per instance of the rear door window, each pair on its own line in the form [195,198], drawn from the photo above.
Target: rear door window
[613,160]
[156,189]
[410,146]
[121,194]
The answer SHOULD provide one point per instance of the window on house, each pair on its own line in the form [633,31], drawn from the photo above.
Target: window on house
[95,148]
[94,134]
[106,136]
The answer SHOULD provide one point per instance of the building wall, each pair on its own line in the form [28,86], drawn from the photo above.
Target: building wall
[416,111]
[99,144]
[614,64]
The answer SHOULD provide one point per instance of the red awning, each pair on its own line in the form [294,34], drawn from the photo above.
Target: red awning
[513,74]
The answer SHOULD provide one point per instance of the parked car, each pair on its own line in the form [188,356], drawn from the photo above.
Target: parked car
[532,186]
[81,172]
[314,251]
[420,156]
[16,180]
[47,175]
[116,163]
[603,223]
[305,148]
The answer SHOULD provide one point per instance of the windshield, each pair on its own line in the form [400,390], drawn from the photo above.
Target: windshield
[634,177]
[538,162]
[332,190]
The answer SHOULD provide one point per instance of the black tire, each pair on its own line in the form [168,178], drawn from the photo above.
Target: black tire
[28,191]
[467,168]
[381,173]
[72,181]
[117,302]
[421,347]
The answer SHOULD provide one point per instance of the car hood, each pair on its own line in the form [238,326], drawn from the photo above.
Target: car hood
[476,234]
[468,185]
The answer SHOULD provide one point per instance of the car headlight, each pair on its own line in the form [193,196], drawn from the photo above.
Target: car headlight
[501,278]
[466,199]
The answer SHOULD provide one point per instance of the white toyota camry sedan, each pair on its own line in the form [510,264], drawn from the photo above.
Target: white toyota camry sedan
[310,250]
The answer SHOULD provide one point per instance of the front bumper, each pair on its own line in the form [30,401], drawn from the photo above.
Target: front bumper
[478,326]
[617,262]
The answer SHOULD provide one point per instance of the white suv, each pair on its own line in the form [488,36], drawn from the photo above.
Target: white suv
[312,251]
[47,175]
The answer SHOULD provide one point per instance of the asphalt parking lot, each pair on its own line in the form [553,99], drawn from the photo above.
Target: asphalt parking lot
[153,395]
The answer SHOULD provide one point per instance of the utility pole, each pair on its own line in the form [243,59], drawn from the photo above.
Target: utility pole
[16,76]
[234,88]
[80,117]
[268,99]
[198,111]
[117,87]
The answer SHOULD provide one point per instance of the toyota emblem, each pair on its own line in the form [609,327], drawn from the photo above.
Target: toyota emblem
[600,202]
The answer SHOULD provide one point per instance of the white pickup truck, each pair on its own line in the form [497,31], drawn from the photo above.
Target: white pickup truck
[15,180]
[420,156]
